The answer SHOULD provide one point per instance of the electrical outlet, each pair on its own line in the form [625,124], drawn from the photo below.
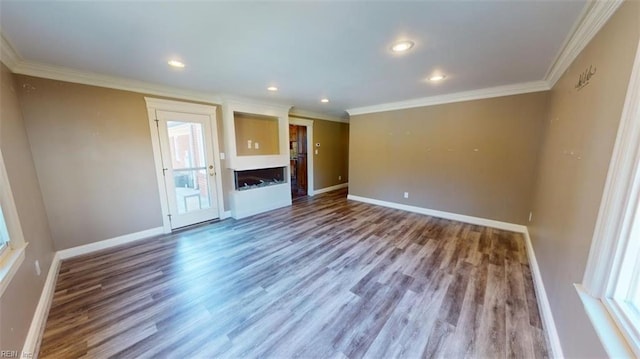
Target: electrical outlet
[530,216]
[38,270]
[249,144]
[222,155]
[406,195]
[256,145]
[316,152]
[339,178]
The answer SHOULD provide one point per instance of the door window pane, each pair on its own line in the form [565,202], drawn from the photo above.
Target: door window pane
[186,141]
[192,190]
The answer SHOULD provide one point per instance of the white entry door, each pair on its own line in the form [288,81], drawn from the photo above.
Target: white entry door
[186,146]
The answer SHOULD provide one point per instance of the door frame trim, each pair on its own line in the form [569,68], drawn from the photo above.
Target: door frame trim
[153,105]
[310,150]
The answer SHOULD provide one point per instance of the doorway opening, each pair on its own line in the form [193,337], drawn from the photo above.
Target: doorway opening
[298,160]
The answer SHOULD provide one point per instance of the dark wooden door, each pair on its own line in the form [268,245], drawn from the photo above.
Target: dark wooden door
[301,165]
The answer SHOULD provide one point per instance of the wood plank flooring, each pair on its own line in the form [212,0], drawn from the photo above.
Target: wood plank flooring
[325,278]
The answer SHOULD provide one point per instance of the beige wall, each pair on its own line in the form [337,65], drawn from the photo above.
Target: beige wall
[19,301]
[332,159]
[577,146]
[475,158]
[255,128]
[92,151]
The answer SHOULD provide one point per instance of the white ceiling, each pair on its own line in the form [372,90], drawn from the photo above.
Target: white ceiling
[308,49]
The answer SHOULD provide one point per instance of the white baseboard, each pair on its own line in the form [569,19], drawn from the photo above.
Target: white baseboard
[32,342]
[543,301]
[446,215]
[108,243]
[331,188]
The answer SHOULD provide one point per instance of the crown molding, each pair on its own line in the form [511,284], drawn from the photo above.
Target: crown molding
[296,112]
[232,104]
[93,79]
[249,105]
[8,55]
[179,106]
[490,92]
[594,17]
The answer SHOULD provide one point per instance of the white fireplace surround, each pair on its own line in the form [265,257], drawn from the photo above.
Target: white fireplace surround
[253,201]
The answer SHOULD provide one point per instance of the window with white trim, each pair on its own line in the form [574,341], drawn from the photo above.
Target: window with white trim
[611,284]
[12,245]
[4,233]
[621,296]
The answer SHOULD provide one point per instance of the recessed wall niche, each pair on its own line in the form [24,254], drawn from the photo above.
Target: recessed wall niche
[256,135]
[256,141]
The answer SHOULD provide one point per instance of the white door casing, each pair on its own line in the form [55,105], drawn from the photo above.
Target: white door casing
[310,150]
[179,206]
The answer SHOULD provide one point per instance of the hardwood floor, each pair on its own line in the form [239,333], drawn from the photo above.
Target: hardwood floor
[325,278]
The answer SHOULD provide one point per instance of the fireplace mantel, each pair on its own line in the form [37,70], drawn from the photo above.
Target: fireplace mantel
[247,202]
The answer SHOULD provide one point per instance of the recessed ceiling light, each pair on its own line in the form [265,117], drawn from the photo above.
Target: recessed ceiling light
[402,46]
[436,78]
[272,88]
[176,63]
[324,100]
